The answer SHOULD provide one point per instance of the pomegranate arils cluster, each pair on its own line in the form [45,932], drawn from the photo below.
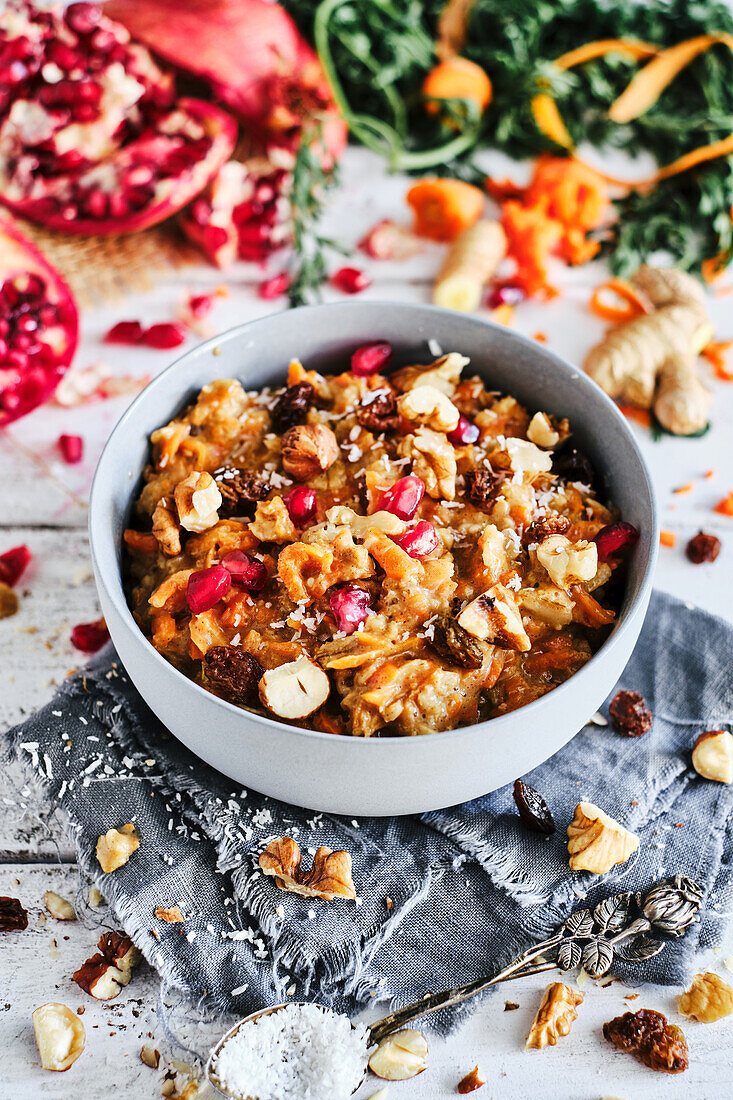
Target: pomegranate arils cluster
[403,499]
[350,607]
[420,541]
[274,287]
[465,432]
[246,572]
[301,504]
[206,587]
[90,637]
[13,564]
[616,538]
[371,358]
[162,336]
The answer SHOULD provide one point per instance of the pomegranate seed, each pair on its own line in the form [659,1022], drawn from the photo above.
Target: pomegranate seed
[301,505]
[615,538]
[72,448]
[200,305]
[13,564]
[350,280]
[507,294]
[166,335]
[403,498]
[274,287]
[89,637]
[82,18]
[371,358]
[350,607]
[246,572]
[125,332]
[206,587]
[420,541]
[464,432]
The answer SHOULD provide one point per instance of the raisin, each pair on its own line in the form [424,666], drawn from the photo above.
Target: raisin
[482,486]
[572,465]
[702,548]
[234,672]
[13,917]
[240,493]
[379,415]
[646,1033]
[455,644]
[533,810]
[629,714]
[545,526]
[292,407]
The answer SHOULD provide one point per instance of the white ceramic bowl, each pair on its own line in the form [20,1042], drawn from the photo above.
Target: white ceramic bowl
[352,775]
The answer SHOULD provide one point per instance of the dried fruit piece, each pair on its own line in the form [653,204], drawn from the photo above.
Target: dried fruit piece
[234,672]
[89,637]
[13,917]
[115,847]
[709,998]
[482,486]
[596,842]
[206,587]
[58,907]
[350,280]
[533,810]
[60,1035]
[572,465]
[712,756]
[71,448]
[39,323]
[246,572]
[378,414]
[629,714]
[13,564]
[615,538]
[702,548]
[456,644]
[371,358]
[403,499]
[542,528]
[470,1082]
[9,603]
[646,1033]
[329,877]
[308,450]
[296,689]
[350,607]
[558,1009]
[104,974]
[400,1056]
[240,491]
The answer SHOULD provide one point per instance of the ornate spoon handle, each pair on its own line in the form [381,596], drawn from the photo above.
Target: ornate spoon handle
[617,926]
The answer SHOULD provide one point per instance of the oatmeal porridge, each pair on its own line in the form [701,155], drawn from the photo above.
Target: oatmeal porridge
[373,554]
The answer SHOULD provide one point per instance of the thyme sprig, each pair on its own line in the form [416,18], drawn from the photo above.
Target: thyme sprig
[313,176]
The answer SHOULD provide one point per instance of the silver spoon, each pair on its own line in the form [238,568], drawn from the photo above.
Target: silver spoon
[617,926]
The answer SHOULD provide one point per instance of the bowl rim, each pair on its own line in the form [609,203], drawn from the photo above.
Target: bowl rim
[116,594]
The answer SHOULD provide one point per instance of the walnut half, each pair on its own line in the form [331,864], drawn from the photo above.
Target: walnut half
[197,502]
[709,998]
[558,1009]
[329,877]
[596,842]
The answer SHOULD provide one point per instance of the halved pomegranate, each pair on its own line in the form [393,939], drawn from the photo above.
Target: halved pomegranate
[39,326]
[92,138]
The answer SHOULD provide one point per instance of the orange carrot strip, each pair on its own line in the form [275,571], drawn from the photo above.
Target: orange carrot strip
[549,120]
[686,488]
[641,416]
[724,507]
[593,50]
[714,266]
[667,538]
[457,78]
[646,87]
[635,302]
[715,353]
[444,207]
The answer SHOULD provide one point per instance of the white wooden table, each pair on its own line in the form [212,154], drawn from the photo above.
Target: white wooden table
[44,504]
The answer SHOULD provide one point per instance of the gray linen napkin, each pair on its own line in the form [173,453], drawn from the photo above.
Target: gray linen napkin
[471,886]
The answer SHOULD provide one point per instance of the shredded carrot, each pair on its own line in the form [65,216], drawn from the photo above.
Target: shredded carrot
[444,207]
[641,416]
[549,120]
[667,538]
[714,266]
[724,507]
[715,353]
[531,237]
[708,475]
[457,78]
[540,337]
[686,488]
[635,304]
[647,86]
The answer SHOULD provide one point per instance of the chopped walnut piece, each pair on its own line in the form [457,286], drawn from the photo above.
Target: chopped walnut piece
[329,877]
[272,522]
[426,405]
[95,898]
[525,458]
[444,374]
[709,998]
[470,1082]
[13,917]
[116,846]
[629,714]
[309,450]
[58,907]
[386,522]
[104,974]
[702,548]
[166,527]
[197,500]
[646,1033]
[433,460]
[548,604]
[173,915]
[542,432]
[240,492]
[60,1035]
[149,1056]
[388,904]
[9,602]
[558,1009]
[712,756]
[400,1056]
[567,562]
[494,617]
[596,842]
[296,689]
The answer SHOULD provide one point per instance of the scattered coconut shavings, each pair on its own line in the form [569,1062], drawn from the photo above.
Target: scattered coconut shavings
[301,1052]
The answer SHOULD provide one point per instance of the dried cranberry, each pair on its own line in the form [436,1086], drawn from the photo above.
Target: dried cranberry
[702,548]
[292,406]
[646,1033]
[166,335]
[350,607]
[572,465]
[629,714]
[506,294]
[72,448]
[533,810]
[125,332]
[13,564]
[246,572]
[350,280]
[89,637]
[371,358]
[420,541]
[274,287]
[301,504]
[206,587]
[465,432]
[234,672]
[403,499]
[615,538]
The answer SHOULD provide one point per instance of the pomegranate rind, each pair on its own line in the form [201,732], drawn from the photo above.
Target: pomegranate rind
[19,256]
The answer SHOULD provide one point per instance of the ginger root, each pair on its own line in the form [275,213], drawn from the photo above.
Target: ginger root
[650,360]
[471,261]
